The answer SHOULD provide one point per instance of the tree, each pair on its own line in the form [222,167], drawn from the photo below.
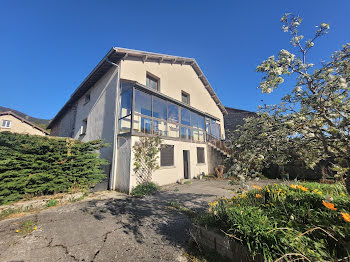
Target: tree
[314,115]
[146,158]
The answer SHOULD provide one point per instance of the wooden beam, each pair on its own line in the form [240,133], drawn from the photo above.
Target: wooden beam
[125,56]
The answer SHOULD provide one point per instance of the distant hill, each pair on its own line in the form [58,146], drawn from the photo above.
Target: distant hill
[38,121]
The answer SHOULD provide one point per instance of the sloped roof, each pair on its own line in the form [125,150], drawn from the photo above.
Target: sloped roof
[116,54]
[24,120]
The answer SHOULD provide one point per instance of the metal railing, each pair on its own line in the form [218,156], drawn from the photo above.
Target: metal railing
[218,143]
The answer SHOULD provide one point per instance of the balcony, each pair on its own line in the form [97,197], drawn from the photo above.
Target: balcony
[147,112]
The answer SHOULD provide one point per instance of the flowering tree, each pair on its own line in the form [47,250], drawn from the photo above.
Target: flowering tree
[313,118]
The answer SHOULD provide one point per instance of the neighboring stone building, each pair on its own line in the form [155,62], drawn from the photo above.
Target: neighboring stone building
[235,117]
[131,94]
[9,121]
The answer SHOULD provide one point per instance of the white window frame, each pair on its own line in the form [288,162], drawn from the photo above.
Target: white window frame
[83,127]
[6,123]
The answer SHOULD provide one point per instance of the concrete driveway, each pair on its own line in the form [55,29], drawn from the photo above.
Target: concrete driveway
[111,227]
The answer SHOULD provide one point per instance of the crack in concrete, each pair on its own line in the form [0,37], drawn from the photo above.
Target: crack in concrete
[103,242]
[64,247]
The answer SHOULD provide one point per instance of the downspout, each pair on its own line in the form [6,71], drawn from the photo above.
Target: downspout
[113,176]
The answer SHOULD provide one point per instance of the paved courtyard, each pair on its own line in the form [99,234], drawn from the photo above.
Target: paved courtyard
[112,227]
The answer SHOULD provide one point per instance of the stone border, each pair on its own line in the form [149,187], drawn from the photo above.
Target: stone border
[226,247]
[41,202]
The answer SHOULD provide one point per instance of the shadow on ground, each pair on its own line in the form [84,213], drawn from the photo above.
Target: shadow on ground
[136,215]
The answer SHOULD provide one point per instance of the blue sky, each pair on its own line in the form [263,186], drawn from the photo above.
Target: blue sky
[48,47]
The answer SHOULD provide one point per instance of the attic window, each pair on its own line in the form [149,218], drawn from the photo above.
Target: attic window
[87,99]
[152,81]
[6,124]
[185,98]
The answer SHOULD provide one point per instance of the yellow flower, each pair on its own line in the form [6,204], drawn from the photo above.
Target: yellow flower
[238,204]
[35,228]
[342,194]
[293,186]
[17,231]
[257,187]
[258,196]
[329,205]
[346,216]
[267,205]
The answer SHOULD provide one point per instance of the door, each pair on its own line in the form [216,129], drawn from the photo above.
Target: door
[186,155]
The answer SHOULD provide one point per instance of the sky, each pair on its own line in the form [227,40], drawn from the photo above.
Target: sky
[47,48]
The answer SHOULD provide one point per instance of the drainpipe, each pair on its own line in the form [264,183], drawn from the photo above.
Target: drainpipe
[113,176]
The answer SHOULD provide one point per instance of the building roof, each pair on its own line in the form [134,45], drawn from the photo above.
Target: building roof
[115,55]
[24,120]
[235,117]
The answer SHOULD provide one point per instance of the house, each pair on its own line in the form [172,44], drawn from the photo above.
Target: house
[11,122]
[131,94]
[235,117]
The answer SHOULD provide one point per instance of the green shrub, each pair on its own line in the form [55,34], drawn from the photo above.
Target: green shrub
[279,219]
[144,189]
[37,165]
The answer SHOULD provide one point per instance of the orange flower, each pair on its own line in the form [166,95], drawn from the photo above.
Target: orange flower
[258,196]
[329,205]
[293,186]
[257,187]
[303,188]
[346,216]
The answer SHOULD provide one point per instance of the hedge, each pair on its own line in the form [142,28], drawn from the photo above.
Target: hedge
[38,165]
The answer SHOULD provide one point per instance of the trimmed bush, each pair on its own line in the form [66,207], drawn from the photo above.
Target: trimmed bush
[287,222]
[37,165]
[144,189]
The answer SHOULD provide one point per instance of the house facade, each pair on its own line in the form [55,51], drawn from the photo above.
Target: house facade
[132,94]
[11,122]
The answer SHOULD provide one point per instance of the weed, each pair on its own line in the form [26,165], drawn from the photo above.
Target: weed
[144,189]
[26,227]
[51,203]
[187,182]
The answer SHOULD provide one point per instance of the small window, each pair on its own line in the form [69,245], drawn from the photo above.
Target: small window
[6,124]
[83,127]
[200,155]
[185,98]
[152,82]
[167,155]
[87,99]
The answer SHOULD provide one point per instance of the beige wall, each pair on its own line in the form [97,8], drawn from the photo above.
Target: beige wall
[17,126]
[168,175]
[173,79]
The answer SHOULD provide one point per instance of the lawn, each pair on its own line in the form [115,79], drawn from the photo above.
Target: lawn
[309,221]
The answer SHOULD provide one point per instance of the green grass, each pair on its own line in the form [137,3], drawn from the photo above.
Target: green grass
[26,227]
[182,209]
[187,182]
[144,189]
[281,219]
[51,203]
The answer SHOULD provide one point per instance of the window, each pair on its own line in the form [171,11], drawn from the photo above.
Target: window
[159,108]
[185,117]
[159,128]
[173,112]
[185,98]
[83,127]
[125,100]
[167,155]
[142,124]
[200,155]
[186,133]
[152,82]
[87,99]
[6,124]
[143,103]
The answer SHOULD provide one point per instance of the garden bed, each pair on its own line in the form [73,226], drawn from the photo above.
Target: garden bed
[309,221]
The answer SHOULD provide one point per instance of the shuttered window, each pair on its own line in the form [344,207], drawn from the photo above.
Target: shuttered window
[167,155]
[200,155]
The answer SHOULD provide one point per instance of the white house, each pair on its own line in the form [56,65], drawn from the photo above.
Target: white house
[132,93]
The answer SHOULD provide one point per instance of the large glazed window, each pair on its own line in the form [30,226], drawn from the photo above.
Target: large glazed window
[146,112]
[143,103]
[173,112]
[159,108]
